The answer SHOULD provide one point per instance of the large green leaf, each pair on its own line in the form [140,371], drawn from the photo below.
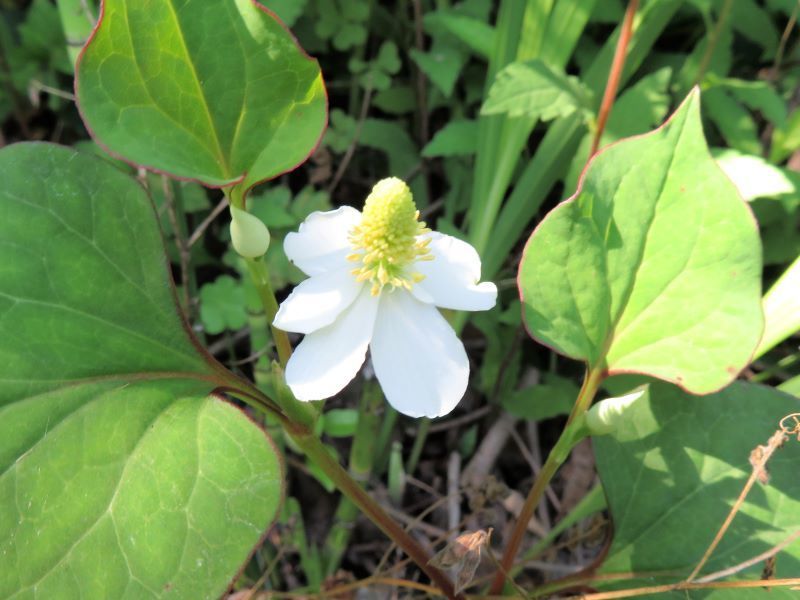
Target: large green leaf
[653,266]
[673,471]
[213,90]
[113,451]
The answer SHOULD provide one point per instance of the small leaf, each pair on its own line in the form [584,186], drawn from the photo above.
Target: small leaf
[677,464]
[287,11]
[457,138]
[393,139]
[341,131]
[554,396]
[474,33]
[115,450]
[534,89]
[222,305]
[756,95]
[397,100]
[653,267]
[734,122]
[388,58]
[42,36]
[442,64]
[755,24]
[272,208]
[154,87]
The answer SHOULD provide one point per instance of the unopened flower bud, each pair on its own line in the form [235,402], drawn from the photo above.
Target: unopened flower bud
[250,237]
[607,415]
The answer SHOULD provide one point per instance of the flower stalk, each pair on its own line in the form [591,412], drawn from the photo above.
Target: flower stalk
[260,276]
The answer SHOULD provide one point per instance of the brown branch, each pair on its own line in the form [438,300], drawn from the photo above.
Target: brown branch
[348,155]
[183,248]
[316,451]
[776,65]
[422,94]
[716,585]
[752,561]
[758,459]
[201,229]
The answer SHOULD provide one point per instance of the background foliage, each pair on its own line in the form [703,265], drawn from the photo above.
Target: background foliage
[492,124]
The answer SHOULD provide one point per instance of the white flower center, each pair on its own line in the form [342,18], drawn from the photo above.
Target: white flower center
[386,241]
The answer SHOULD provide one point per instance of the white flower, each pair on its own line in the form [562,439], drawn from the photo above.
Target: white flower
[375,281]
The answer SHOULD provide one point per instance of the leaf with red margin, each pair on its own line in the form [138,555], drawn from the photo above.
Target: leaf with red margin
[212,90]
[653,267]
[121,475]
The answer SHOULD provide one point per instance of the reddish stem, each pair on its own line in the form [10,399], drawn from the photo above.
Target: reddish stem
[555,459]
[617,65]
[316,451]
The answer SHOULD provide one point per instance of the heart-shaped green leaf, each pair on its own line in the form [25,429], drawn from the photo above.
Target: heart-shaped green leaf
[217,91]
[653,266]
[673,471]
[112,450]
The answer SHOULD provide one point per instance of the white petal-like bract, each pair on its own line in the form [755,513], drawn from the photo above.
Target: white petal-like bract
[451,278]
[317,301]
[364,291]
[419,361]
[322,242]
[327,359]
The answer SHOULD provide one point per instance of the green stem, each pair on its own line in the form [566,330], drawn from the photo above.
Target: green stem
[362,458]
[384,444]
[419,442]
[713,39]
[294,417]
[259,273]
[784,363]
[556,458]
[260,276]
[591,503]
[316,451]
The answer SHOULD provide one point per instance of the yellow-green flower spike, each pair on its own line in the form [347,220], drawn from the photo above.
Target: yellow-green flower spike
[386,241]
